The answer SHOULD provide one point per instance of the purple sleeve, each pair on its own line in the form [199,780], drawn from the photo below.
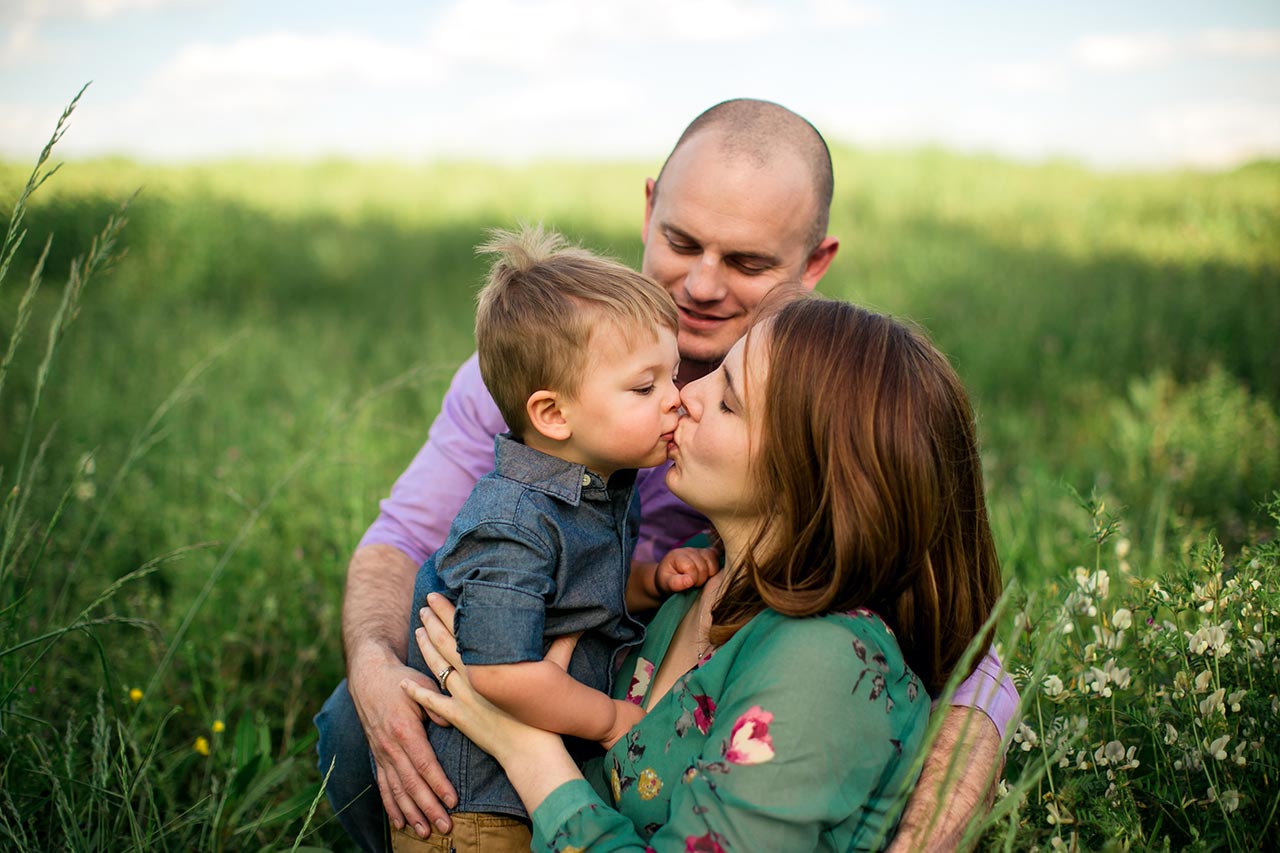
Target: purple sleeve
[991,691]
[459,451]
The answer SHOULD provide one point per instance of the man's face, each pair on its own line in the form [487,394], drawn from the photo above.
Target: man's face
[720,233]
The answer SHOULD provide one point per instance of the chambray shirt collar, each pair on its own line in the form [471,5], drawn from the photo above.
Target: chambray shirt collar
[569,481]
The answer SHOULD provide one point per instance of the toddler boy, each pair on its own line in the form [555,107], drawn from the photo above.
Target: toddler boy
[579,353]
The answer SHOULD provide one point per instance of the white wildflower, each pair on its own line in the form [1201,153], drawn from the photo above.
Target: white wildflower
[1119,676]
[1203,679]
[1053,687]
[1212,703]
[1170,734]
[1234,700]
[1122,619]
[1058,814]
[1218,747]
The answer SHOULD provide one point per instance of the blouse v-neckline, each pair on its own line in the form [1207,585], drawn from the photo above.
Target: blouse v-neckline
[667,634]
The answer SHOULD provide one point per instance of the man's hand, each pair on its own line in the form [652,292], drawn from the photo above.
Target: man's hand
[685,568]
[376,634]
[410,779]
[968,747]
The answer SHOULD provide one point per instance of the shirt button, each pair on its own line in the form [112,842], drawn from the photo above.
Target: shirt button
[586,479]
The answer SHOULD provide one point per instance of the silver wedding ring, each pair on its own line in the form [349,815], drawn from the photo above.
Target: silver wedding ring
[443,676]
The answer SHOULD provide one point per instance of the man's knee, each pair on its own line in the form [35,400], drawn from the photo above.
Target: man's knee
[345,763]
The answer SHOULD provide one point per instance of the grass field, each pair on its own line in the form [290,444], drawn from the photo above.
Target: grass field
[242,386]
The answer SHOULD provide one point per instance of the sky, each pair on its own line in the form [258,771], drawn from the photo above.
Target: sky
[1113,85]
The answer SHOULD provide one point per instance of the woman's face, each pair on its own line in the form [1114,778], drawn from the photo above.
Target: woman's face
[716,441]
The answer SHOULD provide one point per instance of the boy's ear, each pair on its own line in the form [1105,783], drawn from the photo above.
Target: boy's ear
[546,416]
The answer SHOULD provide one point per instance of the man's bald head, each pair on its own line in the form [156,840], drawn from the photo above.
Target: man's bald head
[759,132]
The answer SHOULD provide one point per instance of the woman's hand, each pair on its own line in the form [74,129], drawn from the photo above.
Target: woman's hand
[535,760]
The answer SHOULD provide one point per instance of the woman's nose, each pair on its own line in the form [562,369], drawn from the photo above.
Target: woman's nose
[688,399]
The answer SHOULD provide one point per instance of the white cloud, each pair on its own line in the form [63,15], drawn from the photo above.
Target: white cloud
[1239,43]
[845,14]
[1130,51]
[1027,78]
[510,33]
[24,20]
[292,58]
[1124,52]
[1216,134]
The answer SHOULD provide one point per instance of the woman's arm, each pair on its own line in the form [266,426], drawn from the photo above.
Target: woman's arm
[535,760]
[775,712]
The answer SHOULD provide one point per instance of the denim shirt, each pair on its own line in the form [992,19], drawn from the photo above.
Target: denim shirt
[541,548]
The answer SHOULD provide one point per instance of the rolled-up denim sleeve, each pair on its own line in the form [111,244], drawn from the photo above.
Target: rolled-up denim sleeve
[415,517]
[501,575]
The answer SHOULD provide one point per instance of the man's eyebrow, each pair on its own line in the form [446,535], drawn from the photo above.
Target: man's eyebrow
[677,231]
[758,257]
[737,254]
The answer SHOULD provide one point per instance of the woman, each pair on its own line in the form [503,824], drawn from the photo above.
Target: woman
[834,452]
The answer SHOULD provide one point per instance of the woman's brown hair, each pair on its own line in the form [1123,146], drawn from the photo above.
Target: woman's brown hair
[870,471]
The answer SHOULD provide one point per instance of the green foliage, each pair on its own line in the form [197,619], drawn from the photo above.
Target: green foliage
[1205,450]
[1152,704]
[186,469]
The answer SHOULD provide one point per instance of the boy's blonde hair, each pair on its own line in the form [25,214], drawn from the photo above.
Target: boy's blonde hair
[538,309]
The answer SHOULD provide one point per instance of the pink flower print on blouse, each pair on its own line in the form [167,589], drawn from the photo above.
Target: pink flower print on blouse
[704,714]
[749,742]
[640,682]
[709,843]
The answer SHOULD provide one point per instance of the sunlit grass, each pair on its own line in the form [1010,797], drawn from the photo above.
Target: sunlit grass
[213,433]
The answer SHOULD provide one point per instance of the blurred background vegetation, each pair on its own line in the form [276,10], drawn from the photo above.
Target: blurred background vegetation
[296,325]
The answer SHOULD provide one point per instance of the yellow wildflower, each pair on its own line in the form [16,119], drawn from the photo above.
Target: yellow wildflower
[219,727]
[201,745]
[135,694]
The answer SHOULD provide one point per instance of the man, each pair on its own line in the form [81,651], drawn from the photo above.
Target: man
[740,207]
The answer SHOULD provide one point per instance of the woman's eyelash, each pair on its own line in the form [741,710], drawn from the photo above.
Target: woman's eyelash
[725,408]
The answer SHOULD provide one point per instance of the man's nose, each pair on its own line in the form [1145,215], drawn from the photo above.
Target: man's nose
[705,280]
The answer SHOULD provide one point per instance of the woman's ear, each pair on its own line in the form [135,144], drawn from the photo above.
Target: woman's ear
[546,416]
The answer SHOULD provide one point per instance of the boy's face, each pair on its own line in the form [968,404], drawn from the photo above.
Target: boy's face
[626,408]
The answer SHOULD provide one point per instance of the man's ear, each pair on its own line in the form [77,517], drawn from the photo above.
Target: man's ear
[815,267]
[649,186]
[545,415]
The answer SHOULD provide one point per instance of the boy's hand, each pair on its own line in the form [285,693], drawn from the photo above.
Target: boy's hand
[685,568]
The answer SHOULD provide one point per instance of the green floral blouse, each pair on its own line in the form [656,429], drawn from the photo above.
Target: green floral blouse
[797,734]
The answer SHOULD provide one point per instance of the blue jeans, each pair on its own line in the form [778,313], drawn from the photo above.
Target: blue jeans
[352,789]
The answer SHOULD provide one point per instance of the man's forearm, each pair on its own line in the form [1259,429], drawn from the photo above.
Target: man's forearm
[377,604]
[956,784]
